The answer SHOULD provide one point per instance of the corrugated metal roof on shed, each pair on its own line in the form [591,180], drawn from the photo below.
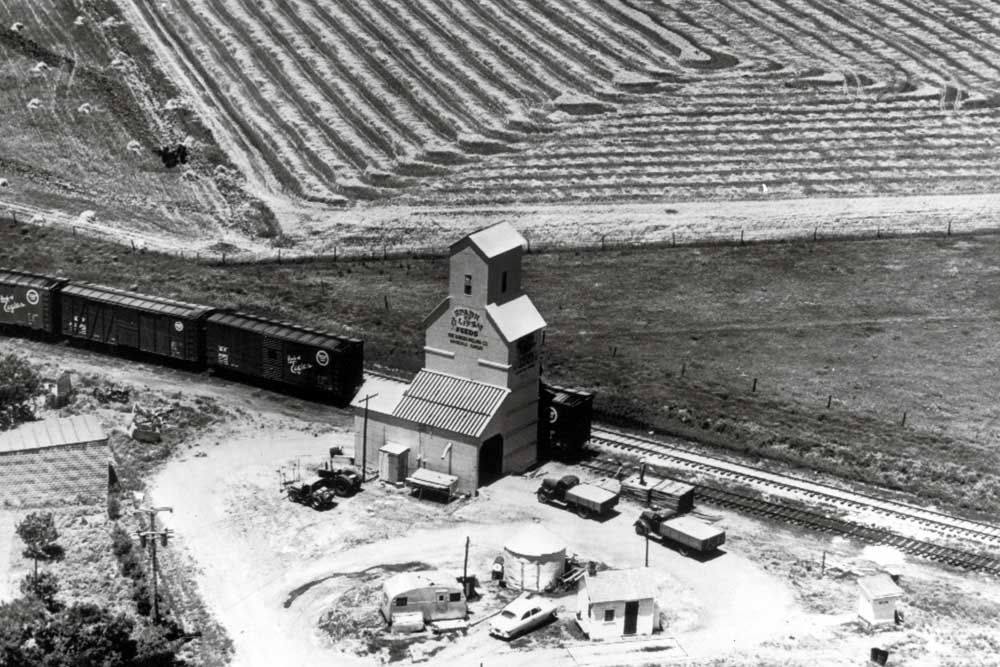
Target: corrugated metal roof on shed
[136,301]
[24,279]
[53,433]
[450,403]
[281,330]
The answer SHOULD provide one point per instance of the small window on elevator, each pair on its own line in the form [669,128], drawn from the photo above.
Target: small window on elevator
[468,284]
[503,282]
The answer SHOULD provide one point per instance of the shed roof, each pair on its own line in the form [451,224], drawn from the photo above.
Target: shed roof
[516,318]
[493,240]
[388,392]
[408,581]
[394,448]
[53,433]
[534,540]
[282,330]
[614,585]
[135,300]
[879,586]
[25,279]
[451,403]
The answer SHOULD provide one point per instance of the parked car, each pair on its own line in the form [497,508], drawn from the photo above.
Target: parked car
[522,615]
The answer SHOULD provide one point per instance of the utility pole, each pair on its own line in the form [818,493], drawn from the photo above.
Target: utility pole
[151,535]
[364,438]
[647,549]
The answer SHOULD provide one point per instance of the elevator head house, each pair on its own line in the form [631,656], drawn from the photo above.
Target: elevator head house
[472,411]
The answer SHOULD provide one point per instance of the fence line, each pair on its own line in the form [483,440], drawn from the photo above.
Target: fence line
[956,226]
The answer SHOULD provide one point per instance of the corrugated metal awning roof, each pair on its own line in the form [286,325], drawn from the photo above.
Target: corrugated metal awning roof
[404,582]
[450,403]
[282,330]
[53,433]
[25,279]
[516,318]
[144,302]
[616,585]
[879,586]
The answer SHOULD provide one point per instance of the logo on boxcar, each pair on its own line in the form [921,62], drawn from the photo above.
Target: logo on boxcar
[553,415]
[296,365]
[8,303]
[32,296]
[323,358]
[178,326]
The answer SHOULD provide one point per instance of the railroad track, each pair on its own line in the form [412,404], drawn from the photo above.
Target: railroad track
[817,521]
[686,459]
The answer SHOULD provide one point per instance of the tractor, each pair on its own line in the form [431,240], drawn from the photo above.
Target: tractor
[313,494]
[344,481]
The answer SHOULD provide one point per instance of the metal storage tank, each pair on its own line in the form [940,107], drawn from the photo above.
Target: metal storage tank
[534,559]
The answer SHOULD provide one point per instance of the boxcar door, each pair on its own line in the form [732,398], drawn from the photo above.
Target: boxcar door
[631,617]
[271,362]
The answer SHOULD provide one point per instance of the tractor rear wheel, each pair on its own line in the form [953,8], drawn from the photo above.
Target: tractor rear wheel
[341,487]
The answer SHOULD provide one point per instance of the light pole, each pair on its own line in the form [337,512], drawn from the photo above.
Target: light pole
[364,438]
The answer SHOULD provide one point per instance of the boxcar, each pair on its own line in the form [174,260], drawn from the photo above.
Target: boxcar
[279,352]
[563,420]
[135,322]
[29,301]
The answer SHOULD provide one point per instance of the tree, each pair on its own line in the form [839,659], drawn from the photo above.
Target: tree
[79,635]
[38,532]
[19,383]
[42,587]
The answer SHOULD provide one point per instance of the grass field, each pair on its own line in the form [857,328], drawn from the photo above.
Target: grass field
[879,328]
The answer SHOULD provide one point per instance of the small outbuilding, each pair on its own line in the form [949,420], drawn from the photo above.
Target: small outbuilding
[878,597]
[534,559]
[435,595]
[617,603]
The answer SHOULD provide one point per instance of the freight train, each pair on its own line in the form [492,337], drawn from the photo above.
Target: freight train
[279,355]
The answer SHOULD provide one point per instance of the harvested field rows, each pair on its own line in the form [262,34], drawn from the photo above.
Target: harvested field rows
[449,104]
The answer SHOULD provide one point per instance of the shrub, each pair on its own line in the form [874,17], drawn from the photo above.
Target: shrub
[42,587]
[19,384]
[121,543]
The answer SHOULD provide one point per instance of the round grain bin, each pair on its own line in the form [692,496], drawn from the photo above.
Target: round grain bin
[534,559]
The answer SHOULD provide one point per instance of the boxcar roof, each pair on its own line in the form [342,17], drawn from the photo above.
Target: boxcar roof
[569,397]
[53,433]
[25,279]
[135,300]
[283,330]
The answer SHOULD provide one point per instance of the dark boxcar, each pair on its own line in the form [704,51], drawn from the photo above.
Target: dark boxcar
[312,361]
[29,301]
[563,419]
[132,321]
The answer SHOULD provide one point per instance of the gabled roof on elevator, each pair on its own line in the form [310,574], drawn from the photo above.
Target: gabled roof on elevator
[492,241]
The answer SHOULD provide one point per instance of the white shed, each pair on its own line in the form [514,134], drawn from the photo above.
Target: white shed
[878,596]
[617,603]
[534,559]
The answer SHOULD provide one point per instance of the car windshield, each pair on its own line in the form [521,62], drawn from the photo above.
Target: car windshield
[507,613]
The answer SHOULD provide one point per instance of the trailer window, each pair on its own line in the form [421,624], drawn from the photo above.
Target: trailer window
[455,597]
[442,597]
[400,601]
[609,615]
[468,284]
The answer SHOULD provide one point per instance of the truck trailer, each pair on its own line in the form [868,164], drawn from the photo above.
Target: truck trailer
[687,533]
[587,500]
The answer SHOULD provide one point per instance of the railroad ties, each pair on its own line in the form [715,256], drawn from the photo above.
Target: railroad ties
[776,509]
